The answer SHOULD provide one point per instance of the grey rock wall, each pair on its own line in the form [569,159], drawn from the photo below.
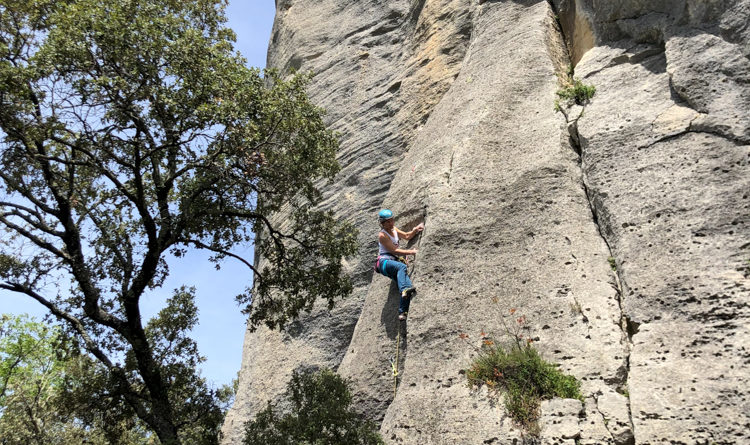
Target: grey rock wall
[446,113]
[380,67]
[508,227]
[665,148]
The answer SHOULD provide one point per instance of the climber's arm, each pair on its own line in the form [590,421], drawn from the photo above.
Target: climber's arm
[410,234]
[393,248]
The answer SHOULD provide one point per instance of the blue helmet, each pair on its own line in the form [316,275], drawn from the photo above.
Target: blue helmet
[385,215]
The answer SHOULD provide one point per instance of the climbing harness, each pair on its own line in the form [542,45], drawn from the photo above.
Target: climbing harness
[382,260]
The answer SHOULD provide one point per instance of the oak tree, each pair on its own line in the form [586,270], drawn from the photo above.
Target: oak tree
[130,132]
[316,410]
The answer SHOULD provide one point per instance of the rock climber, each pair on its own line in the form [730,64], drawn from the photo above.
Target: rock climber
[388,262]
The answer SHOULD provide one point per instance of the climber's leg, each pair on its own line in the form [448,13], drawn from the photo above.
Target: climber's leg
[397,272]
[406,288]
[404,282]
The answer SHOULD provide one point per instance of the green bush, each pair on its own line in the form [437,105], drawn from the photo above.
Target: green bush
[574,92]
[524,377]
[316,412]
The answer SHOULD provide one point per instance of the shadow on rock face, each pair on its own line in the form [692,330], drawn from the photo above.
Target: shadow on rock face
[389,314]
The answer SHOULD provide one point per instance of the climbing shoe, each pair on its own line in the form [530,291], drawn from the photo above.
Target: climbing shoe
[409,292]
[402,316]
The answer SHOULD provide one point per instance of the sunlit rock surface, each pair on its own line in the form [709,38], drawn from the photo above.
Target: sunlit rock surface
[446,115]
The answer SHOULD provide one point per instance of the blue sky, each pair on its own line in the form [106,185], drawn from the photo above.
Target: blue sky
[252,20]
[222,325]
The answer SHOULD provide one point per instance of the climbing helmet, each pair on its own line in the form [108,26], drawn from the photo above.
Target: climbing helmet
[384,215]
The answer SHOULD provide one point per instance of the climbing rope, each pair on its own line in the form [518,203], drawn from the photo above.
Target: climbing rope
[394,366]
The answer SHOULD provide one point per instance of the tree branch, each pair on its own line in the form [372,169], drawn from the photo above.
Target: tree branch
[49,247]
[27,194]
[71,238]
[125,264]
[96,162]
[127,389]
[274,232]
[201,245]
[62,315]
[38,224]
[8,373]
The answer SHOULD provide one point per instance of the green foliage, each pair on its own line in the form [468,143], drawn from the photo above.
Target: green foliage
[524,377]
[190,396]
[10,266]
[519,372]
[573,92]
[39,373]
[130,130]
[612,263]
[318,413]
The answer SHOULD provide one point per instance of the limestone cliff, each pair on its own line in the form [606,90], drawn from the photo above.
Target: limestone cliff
[445,108]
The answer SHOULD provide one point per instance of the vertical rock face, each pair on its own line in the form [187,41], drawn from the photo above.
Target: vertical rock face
[380,67]
[446,114]
[665,147]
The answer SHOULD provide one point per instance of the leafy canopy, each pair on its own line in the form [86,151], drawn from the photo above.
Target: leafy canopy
[131,130]
[40,402]
[317,413]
